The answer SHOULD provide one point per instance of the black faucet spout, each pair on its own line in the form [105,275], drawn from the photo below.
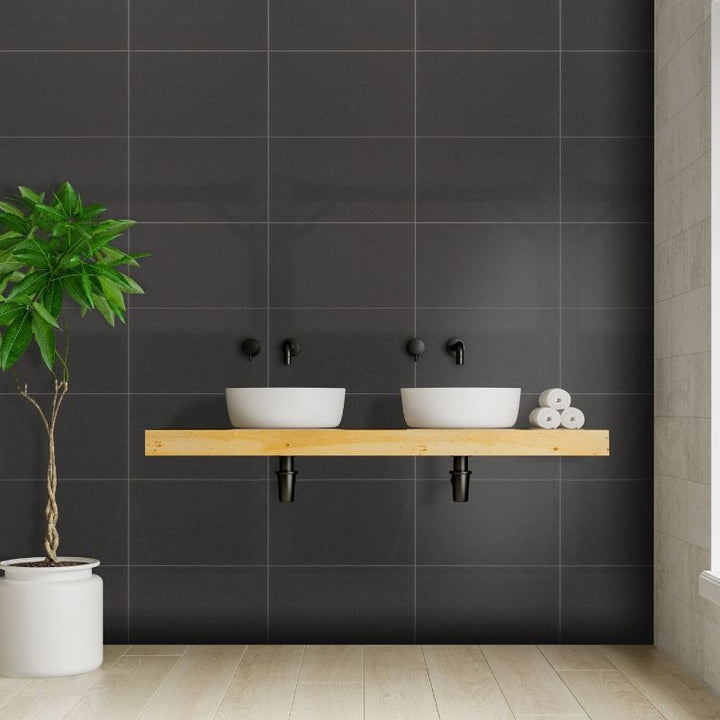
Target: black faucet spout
[456,347]
[290,349]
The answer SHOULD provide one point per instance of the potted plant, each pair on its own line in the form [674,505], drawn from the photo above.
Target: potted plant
[52,252]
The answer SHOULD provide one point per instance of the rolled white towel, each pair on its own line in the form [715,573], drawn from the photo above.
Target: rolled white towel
[555,398]
[572,418]
[545,418]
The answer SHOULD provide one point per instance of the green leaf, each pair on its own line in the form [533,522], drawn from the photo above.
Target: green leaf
[112,293]
[52,298]
[11,209]
[41,310]
[17,338]
[29,286]
[45,339]
[92,211]
[125,283]
[71,285]
[28,194]
[48,213]
[87,288]
[9,312]
[68,198]
[103,307]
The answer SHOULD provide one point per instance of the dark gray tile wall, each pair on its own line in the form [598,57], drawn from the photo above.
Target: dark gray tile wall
[352,173]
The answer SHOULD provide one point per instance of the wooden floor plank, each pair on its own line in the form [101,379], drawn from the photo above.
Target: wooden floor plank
[575,657]
[195,686]
[638,660]
[609,695]
[122,692]
[528,681]
[263,685]
[397,686]
[463,683]
[173,650]
[52,698]
[332,663]
[328,701]
[10,687]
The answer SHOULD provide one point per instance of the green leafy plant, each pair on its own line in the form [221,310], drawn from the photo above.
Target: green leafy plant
[53,252]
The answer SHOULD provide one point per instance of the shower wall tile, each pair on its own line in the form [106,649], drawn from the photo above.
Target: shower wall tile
[351,173]
[229,92]
[341,93]
[487,93]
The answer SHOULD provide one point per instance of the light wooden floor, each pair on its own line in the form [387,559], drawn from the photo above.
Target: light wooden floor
[351,682]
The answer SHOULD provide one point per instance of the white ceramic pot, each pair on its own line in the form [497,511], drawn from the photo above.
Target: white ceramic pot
[51,619]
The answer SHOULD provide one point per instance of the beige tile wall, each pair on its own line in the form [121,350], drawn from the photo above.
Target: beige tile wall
[685,625]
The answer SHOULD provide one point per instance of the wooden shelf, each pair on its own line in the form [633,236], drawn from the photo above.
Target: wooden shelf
[411,442]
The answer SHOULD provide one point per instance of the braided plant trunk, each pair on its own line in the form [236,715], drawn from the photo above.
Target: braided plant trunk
[52,537]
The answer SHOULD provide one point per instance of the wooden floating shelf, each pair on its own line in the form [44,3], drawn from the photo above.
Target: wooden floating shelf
[411,442]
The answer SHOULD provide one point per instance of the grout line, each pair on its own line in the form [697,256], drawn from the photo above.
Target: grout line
[415,303]
[128,324]
[396,222]
[327,137]
[386,51]
[560,310]
[267,317]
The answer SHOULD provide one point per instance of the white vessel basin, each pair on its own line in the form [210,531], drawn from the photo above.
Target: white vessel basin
[460,407]
[287,407]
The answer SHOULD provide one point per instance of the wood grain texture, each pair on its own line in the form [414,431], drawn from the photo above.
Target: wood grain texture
[328,701]
[173,650]
[123,691]
[463,683]
[528,681]
[575,657]
[609,695]
[332,663]
[263,685]
[397,686]
[440,442]
[195,686]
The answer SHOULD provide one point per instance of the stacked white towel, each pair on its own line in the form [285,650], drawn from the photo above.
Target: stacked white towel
[556,410]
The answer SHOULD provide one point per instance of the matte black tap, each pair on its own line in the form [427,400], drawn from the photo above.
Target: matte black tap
[456,347]
[290,348]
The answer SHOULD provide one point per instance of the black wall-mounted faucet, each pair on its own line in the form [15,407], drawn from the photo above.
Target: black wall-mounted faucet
[251,347]
[291,349]
[456,347]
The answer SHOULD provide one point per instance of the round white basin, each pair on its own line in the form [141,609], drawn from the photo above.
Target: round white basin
[460,407]
[287,407]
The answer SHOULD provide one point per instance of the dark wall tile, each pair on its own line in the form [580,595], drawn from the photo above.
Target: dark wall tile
[348,25]
[363,411]
[97,168]
[97,358]
[607,180]
[608,25]
[50,94]
[185,411]
[607,522]
[487,25]
[607,265]
[607,605]
[487,93]
[188,25]
[198,180]
[349,180]
[115,603]
[370,523]
[607,93]
[92,519]
[608,351]
[504,523]
[467,266]
[361,350]
[163,82]
[91,438]
[201,266]
[73,25]
[341,605]
[629,419]
[194,351]
[487,180]
[504,348]
[198,604]
[198,522]
[487,605]
[341,93]
[341,266]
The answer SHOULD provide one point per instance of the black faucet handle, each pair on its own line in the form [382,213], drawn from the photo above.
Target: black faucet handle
[251,347]
[415,347]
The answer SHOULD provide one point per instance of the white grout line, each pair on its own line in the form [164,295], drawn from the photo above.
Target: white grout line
[267,320]
[415,303]
[560,310]
[127,331]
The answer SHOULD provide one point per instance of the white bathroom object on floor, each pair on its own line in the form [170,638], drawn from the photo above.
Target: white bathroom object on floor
[51,619]
[555,398]
[545,417]
[572,418]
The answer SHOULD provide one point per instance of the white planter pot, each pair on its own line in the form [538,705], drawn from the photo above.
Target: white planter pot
[51,619]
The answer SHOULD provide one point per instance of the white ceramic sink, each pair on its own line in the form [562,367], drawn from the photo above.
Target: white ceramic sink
[460,407]
[286,407]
